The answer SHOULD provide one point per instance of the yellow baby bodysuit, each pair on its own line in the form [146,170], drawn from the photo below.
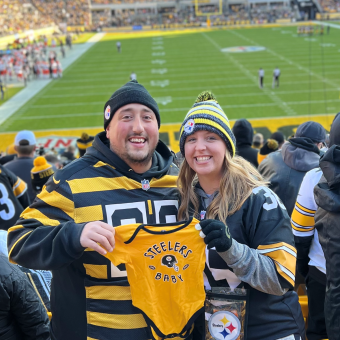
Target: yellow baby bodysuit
[164,264]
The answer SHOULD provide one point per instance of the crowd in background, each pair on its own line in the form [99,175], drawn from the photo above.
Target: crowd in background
[286,162]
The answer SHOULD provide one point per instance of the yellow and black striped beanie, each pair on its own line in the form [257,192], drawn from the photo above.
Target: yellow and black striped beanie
[206,114]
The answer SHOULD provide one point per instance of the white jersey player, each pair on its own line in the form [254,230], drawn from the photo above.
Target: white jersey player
[276,76]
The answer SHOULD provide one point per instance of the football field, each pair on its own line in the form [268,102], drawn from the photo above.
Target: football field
[176,67]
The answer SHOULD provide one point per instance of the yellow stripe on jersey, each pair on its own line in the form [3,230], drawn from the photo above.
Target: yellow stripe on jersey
[305,209]
[284,257]
[89,213]
[54,199]
[112,293]
[84,146]
[150,207]
[39,216]
[100,163]
[18,240]
[19,187]
[164,182]
[102,184]
[96,270]
[301,220]
[116,321]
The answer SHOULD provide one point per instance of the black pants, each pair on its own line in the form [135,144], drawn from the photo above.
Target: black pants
[316,291]
[261,82]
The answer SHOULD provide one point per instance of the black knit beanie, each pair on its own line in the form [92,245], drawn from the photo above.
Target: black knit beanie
[130,93]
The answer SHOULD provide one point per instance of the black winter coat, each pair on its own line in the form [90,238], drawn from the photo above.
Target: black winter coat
[22,315]
[327,223]
[244,133]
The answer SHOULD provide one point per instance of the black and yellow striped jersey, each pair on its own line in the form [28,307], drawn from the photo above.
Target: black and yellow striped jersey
[13,197]
[262,223]
[165,264]
[90,297]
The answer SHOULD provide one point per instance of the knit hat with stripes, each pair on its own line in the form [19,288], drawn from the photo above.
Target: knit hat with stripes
[206,114]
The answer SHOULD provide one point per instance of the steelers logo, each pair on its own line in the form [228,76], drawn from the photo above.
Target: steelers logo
[107,112]
[224,325]
[169,258]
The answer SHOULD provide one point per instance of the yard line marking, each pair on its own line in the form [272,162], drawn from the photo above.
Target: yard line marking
[247,94]
[175,89]
[253,78]
[300,67]
[302,102]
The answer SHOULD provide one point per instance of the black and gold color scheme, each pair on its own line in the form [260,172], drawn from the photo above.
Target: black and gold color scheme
[14,197]
[262,223]
[83,143]
[165,262]
[40,173]
[90,297]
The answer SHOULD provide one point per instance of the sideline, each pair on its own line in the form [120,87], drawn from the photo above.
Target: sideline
[35,86]
[326,24]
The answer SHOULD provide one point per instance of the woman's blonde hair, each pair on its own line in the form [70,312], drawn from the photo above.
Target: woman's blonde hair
[238,180]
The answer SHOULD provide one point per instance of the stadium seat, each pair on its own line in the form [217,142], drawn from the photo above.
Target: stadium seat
[304,306]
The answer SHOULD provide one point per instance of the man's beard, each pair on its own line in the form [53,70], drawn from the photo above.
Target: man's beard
[133,159]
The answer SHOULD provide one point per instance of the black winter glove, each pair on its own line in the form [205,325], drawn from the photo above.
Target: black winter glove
[216,234]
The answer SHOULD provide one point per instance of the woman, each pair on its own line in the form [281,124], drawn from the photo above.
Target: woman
[245,226]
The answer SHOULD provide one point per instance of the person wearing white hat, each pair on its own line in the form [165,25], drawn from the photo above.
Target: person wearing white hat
[24,145]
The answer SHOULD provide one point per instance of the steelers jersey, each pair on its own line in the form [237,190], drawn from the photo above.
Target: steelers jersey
[164,264]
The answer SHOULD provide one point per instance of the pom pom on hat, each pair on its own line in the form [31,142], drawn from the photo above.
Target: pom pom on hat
[40,173]
[84,136]
[207,115]
[270,146]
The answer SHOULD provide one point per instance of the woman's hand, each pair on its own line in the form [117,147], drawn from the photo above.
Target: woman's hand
[216,234]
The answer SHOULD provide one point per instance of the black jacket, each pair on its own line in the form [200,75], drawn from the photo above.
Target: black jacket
[327,223]
[285,169]
[98,186]
[14,198]
[244,133]
[22,316]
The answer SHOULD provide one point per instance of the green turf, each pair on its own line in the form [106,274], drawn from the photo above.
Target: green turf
[309,83]
[10,92]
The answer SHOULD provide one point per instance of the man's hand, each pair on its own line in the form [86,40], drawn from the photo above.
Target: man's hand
[98,232]
[216,234]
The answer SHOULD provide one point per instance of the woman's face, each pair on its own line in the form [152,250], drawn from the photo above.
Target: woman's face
[205,152]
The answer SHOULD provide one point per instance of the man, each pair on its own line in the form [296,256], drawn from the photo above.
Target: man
[276,76]
[24,145]
[258,141]
[118,44]
[261,77]
[285,168]
[83,143]
[327,224]
[244,133]
[310,258]
[13,198]
[127,176]
[279,137]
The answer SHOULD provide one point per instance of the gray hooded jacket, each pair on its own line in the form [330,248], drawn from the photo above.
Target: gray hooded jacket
[285,169]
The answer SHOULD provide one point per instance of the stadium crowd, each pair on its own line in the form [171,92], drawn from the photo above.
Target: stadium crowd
[267,210]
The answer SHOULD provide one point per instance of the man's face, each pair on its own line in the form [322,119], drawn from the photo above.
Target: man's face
[133,134]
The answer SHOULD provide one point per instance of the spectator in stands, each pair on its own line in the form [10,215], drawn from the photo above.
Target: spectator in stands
[310,258]
[84,142]
[10,155]
[22,315]
[54,160]
[25,147]
[269,146]
[68,155]
[14,198]
[40,173]
[243,132]
[258,141]
[285,168]
[279,137]
[327,223]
